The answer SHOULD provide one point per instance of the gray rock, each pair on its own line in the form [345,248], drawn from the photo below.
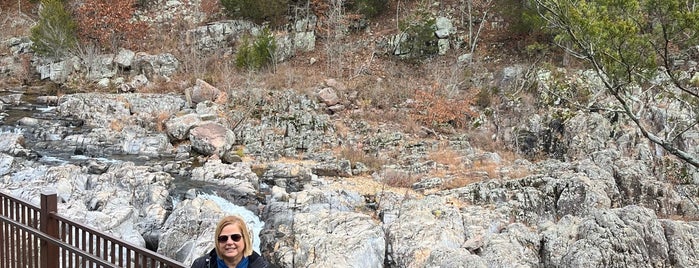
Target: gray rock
[341,168]
[178,127]
[153,104]
[201,91]
[237,179]
[516,245]
[13,144]
[683,242]
[99,67]
[96,109]
[556,239]
[626,237]
[6,163]
[57,72]
[152,146]
[444,28]
[328,238]
[217,35]
[328,96]
[290,177]
[423,226]
[211,138]
[455,258]
[184,241]
[124,58]
[164,64]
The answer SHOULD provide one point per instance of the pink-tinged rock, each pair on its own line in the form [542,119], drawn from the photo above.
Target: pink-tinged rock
[211,138]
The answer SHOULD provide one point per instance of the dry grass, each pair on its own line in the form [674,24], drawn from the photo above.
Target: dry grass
[384,85]
[487,167]
[117,125]
[16,18]
[356,154]
[296,74]
[684,218]
[159,120]
[398,178]
[447,157]
[366,185]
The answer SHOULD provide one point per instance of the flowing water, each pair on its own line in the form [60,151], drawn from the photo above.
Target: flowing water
[43,129]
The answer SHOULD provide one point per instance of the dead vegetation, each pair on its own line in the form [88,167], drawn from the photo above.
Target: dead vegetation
[428,99]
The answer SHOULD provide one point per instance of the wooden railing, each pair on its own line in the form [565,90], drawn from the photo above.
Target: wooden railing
[38,237]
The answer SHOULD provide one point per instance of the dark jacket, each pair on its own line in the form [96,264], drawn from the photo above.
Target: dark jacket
[209,261]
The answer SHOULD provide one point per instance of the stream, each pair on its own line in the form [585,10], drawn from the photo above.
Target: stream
[36,117]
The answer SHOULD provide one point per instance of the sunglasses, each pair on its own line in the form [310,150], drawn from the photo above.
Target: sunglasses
[234,237]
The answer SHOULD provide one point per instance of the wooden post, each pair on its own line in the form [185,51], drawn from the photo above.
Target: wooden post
[49,226]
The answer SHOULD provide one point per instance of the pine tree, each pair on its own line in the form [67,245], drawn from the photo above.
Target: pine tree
[54,35]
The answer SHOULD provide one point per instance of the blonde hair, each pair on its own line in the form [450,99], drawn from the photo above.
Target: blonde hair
[234,219]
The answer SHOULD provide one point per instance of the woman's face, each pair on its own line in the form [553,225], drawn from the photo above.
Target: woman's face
[229,248]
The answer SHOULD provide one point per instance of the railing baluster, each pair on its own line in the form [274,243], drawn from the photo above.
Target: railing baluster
[2,233]
[104,245]
[128,258]
[91,248]
[83,242]
[121,256]
[105,249]
[4,256]
[38,237]
[8,234]
[22,237]
[29,238]
[73,259]
[37,242]
[98,240]
[17,240]
[112,254]
[13,243]
[64,257]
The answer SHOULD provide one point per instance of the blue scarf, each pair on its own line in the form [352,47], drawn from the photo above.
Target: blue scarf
[242,264]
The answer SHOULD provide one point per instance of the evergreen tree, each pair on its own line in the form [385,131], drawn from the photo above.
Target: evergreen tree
[630,44]
[55,34]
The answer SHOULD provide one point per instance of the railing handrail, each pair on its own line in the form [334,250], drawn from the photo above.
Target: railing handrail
[20,201]
[111,238]
[48,221]
[57,242]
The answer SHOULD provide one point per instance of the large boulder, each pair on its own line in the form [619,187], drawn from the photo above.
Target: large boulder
[626,237]
[178,127]
[201,91]
[211,138]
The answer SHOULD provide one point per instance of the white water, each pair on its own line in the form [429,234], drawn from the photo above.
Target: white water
[253,222]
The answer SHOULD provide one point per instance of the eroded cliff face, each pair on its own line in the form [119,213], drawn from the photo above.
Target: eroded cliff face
[533,182]
[603,207]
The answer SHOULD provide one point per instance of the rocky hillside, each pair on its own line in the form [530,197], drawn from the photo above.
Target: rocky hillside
[352,153]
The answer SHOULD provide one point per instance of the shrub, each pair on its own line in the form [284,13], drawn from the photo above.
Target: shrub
[54,35]
[110,23]
[257,53]
[258,11]
[434,109]
[420,41]
[370,8]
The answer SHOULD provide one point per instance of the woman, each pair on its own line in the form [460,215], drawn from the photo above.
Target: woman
[233,247]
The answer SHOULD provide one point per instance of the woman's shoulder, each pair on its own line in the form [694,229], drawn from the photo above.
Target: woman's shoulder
[257,261]
[203,261]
